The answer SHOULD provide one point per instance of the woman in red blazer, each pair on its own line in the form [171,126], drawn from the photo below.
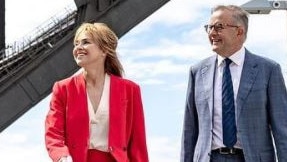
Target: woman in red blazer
[96,115]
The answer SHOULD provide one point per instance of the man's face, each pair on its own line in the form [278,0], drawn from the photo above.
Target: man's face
[223,33]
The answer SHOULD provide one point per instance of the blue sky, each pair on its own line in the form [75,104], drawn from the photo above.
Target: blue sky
[156,54]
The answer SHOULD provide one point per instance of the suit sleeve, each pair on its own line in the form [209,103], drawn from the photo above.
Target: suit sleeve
[190,124]
[277,97]
[137,149]
[55,125]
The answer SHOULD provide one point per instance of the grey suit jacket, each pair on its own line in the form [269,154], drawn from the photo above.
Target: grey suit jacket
[261,106]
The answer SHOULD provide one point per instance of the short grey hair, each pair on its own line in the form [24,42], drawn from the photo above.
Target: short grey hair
[239,14]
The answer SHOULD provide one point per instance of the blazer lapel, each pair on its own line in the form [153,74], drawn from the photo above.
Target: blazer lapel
[117,110]
[115,98]
[248,77]
[208,72]
[81,90]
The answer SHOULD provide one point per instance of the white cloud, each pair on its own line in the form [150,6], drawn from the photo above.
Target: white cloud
[270,28]
[16,153]
[181,12]
[18,144]
[163,149]
[173,49]
[13,138]
[23,17]
[181,86]
[151,82]
[33,154]
[143,70]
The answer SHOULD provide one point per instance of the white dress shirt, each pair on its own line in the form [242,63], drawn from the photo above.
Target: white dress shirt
[99,120]
[235,69]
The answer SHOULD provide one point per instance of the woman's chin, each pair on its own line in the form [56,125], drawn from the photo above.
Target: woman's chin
[80,63]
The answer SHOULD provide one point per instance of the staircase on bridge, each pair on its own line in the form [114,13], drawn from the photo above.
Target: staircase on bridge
[28,69]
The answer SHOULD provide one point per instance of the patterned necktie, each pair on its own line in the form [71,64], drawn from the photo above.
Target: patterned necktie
[228,108]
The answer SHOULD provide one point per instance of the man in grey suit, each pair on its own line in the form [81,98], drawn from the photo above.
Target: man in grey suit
[250,126]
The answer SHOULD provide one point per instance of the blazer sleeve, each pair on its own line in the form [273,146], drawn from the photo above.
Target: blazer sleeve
[55,125]
[190,124]
[137,148]
[277,103]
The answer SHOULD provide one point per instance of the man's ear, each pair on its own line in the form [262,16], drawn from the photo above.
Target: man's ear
[240,31]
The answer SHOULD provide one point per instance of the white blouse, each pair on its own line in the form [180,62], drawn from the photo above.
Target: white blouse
[99,120]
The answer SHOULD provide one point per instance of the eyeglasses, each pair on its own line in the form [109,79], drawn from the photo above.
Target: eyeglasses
[218,27]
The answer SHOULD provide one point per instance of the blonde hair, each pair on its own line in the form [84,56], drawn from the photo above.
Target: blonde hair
[107,42]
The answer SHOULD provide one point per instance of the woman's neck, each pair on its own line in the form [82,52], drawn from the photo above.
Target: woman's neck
[94,78]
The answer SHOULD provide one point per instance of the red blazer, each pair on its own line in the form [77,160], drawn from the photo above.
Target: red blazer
[67,122]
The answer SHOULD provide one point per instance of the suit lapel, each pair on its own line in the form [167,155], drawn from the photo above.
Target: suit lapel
[114,98]
[116,113]
[248,77]
[81,90]
[208,72]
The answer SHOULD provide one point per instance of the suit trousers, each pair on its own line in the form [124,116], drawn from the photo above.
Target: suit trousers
[99,156]
[217,157]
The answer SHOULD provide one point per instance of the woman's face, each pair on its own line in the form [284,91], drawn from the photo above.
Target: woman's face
[86,51]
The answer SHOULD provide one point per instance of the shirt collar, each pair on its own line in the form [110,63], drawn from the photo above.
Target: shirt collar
[237,58]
